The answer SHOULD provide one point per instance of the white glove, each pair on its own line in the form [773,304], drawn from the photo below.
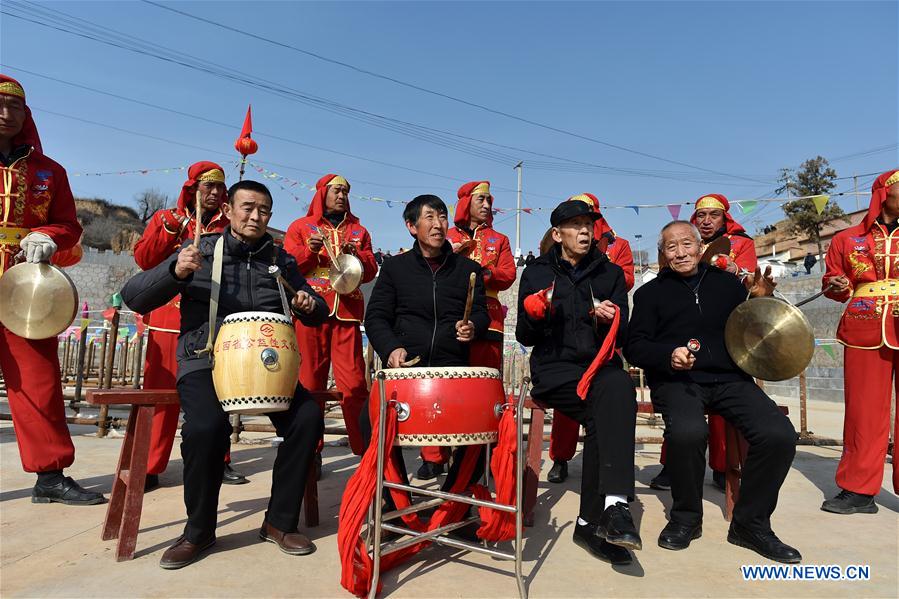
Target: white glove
[37,247]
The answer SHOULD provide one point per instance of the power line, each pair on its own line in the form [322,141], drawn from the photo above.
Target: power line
[626,172]
[436,93]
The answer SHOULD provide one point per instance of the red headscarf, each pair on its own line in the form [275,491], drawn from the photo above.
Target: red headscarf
[462,214]
[600,227]
[879,191]
[718,201]
[197,172]
[28,135]
[317,207]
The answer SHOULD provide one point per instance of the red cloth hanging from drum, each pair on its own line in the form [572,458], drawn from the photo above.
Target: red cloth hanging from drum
[357,567]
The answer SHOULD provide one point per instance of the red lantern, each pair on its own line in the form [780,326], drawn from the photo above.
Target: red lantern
[246,146]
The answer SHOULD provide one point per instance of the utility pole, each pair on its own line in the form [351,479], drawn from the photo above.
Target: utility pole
[855,183]
[518,213]
[638,237]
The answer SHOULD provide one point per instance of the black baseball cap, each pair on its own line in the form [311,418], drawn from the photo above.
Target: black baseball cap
[571,209]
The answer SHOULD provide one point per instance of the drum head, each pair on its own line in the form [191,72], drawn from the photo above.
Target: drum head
[37,301]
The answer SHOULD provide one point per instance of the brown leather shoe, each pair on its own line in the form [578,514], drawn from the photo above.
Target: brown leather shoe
[292,543]
[183,553]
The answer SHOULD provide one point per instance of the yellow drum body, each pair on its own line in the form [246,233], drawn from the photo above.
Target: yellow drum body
[256,363]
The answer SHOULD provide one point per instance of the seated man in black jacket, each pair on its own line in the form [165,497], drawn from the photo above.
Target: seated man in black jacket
[567,332]
[677,335]
[246,285]
[417,305]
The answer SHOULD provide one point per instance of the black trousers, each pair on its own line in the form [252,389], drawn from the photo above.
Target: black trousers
[609,416]
[452,475]
[771,438]
[205,440]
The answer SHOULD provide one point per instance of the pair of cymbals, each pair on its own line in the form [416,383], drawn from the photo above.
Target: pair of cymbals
[37,301]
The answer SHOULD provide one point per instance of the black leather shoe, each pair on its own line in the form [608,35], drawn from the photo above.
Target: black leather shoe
[764,543]
[677,536]
[232,477]
[848,502]
[585,537]
[617,527]
[428,470]
[719,479]
[151,483]
[66,491]
[559,472]
[661,482]
[183,553]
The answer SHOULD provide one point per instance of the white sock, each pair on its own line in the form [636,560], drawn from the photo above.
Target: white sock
[613,499]
[581,521]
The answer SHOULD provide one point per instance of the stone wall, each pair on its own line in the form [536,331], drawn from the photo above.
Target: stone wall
[100,274]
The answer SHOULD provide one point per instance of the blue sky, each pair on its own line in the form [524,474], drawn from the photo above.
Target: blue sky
[740,88]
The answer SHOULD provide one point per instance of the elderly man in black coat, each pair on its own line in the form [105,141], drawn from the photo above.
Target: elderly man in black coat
[677,335]
[567,328]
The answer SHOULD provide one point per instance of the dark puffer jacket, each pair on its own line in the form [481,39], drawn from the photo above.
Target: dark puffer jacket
[566,342]
[417,309]
[247,286]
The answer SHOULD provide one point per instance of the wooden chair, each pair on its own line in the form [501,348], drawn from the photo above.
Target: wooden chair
[122,520]
[736,449]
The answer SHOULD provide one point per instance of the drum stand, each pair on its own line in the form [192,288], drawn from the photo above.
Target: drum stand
[378,519]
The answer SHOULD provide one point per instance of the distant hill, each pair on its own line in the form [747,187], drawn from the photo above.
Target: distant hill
[108,226]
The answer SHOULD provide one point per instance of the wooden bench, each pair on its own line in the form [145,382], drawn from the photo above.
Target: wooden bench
[126,500]
[736,449]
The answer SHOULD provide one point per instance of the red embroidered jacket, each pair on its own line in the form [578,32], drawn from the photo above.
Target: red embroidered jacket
[315,265]
[492,251]
[35,196]
[871,263]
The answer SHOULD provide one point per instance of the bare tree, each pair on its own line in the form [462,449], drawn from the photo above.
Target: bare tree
[149,201]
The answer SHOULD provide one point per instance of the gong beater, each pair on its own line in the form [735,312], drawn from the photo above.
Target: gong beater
[37,301]
[769,338]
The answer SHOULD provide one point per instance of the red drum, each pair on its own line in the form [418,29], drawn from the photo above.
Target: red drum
[450,405]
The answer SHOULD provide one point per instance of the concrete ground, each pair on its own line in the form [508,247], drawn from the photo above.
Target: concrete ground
[56,551]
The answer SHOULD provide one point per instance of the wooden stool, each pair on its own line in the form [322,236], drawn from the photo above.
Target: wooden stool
[736,449]
[126,501]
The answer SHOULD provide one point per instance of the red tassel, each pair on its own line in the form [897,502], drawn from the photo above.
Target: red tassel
[604,355]
[498,525]
[357,566]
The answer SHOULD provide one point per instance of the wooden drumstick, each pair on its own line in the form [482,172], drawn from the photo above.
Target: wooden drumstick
[470,299]
[411,362]
[199,216]
[274,270]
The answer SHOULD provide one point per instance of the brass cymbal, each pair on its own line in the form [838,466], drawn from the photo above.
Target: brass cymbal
[719,246]
[769,338]
[37,301]
[346,274]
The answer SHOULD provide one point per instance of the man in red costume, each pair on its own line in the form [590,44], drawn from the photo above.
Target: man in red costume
[166,231]
[474,237]
[862,269]
[713,219]
[337,343]
[563,441]
[37,224]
